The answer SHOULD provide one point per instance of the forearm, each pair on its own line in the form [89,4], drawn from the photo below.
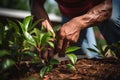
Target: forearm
[96,15]
[38,10]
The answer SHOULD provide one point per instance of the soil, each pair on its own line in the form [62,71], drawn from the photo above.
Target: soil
[86,69]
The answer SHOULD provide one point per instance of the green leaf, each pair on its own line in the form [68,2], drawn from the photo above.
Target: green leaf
[54,61]
[93,50]
[51,44]
[42,28]
[30,43]
[35,31]
[7,63]
[26,22]
[21,25]
[40,38]
[70,66]
[49,68]
[13,24]
[71,49]
[3,53]
[30,38]
[42,71]
[52,33]
[30,54]
[35,23]
[45,39]
[72,57]
[106,49]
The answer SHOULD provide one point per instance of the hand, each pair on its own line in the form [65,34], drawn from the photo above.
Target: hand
[68,33]
[48,26]
[49,52]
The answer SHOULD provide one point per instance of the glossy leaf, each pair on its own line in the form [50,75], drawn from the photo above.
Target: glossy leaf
[42,71]
[92,50]
[51,44]
[29,37]
[21,25]
[40,38]
[7,63]
[71,49]
[35,31]
[54,61]
[45,39]
[70,66]
[72,57]
[34,24]
[26,22]
[106,49]
[30,54]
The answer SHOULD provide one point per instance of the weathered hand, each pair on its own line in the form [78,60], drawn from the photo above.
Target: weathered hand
[68,33]
[48,26]
[49,52]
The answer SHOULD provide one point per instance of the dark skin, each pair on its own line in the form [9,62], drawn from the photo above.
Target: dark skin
[69,32]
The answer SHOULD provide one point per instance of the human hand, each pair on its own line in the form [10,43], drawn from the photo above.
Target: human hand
[48,26]
[68,33]
[48,53]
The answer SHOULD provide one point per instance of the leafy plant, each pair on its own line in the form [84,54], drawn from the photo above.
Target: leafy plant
[18,41]
[103,50]
[35,38]
[11,40]
[72,57]
[21,39]
[48,67]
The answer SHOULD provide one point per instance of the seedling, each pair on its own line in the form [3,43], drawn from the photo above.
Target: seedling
[48,67]
[34,37]
[72,57]
[25,39]
[102,52]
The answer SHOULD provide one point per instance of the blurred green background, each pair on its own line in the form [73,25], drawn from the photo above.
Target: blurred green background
[50,5]
[15,4]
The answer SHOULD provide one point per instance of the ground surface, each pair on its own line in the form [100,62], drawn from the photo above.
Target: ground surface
[87,69]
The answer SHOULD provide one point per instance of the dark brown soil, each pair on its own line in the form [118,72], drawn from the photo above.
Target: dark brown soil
[88,69]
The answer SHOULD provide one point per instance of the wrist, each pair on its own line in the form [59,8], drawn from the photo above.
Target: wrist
[78,22]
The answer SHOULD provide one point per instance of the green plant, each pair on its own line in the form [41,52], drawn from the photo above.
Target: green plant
[18,41]
[48,67]
[11,40]
[72,57]
[108,50]
[35,38]
[21,40]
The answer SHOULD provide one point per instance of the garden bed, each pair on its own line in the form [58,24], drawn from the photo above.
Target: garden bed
[21,57]
[86,69]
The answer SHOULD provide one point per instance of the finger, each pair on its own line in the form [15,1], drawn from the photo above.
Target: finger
[64,47]
[59,45]
[75,38]
[60,38]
